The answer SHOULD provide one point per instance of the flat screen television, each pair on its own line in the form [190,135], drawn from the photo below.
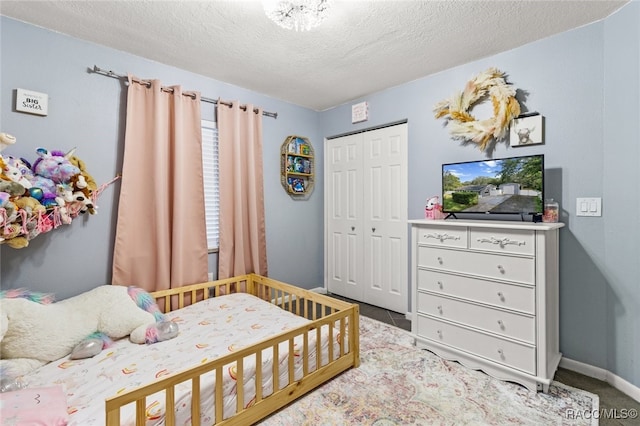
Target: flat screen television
[512,185]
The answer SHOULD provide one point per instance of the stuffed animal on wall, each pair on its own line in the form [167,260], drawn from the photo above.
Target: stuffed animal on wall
[88,179]
[50,169]
[10,191]
[13,171]
[12,236]
[35,331]
[30,205]
[6,140]
[84,186]
[81,194]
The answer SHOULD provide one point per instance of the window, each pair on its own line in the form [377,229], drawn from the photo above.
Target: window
[211,181]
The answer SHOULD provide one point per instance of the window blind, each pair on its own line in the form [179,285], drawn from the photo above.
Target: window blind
[211,181]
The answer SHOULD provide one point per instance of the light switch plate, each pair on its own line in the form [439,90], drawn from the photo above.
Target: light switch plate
[589,206]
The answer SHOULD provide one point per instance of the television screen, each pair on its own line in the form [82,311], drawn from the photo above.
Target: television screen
[509,185]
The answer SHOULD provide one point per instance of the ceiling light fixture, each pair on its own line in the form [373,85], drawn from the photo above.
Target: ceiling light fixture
[301,15]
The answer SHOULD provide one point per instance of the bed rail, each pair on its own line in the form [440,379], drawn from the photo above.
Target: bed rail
[339,318]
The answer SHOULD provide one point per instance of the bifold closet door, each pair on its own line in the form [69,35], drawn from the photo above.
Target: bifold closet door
[366,251]
[385,181]
[343,213]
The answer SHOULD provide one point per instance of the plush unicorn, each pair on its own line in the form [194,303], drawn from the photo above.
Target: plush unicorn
[34,330]
[50,169]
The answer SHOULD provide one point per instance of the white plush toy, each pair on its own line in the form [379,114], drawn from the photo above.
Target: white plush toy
[34,331]
[6,140]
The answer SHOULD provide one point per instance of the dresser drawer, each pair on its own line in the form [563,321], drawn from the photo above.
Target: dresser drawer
[503,240]
[512,354]
[443,236]
[520,298]
[521,327]
[518,269]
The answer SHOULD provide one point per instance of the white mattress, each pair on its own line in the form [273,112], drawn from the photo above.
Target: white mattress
[208,329]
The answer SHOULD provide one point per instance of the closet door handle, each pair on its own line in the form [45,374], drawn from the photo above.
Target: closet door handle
[353,228]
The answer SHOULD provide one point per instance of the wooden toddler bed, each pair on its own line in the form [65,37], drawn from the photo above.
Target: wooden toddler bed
[248,346]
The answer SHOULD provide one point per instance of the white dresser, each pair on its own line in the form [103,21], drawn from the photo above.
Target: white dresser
[485,293]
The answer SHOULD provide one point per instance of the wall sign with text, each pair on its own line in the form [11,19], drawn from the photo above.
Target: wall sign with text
[32,102]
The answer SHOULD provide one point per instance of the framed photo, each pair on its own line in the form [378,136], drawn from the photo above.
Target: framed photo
[526,130]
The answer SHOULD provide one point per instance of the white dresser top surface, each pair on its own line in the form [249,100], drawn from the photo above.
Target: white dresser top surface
[504,224]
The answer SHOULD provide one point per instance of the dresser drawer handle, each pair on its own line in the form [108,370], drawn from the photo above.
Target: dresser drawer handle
[501,296]
[501,269]
[439,333]
[441,237]
[440,260]
[501,241]
[501,324]
[501,353]
[440,285]
[440,309]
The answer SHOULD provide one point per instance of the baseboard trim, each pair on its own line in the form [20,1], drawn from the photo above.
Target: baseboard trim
[601,374]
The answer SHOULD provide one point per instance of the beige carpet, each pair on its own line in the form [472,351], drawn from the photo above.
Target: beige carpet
[398,384]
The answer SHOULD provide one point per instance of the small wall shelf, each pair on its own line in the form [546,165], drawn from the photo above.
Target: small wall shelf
[297,168]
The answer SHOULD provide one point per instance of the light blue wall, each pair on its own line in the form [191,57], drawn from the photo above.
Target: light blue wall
[621,171]
[585,82]
[87,110]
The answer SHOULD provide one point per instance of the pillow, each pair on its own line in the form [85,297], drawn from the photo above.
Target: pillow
[36,406]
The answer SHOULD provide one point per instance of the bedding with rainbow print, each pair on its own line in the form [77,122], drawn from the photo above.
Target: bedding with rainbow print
[208,329]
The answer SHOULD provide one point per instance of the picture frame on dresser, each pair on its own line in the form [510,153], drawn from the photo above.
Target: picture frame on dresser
[485,293]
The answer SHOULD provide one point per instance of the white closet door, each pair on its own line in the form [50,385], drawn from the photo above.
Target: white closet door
[343,211]
[366,236]
[385,218]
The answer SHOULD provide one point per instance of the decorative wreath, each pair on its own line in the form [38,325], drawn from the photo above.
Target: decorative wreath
[463,125]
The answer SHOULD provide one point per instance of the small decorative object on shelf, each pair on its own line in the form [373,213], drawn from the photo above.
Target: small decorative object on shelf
[551,211]
[297,166]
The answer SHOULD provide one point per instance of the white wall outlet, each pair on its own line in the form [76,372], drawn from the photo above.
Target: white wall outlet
[589,206]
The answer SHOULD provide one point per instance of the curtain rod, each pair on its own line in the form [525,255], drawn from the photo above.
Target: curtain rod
[112,74]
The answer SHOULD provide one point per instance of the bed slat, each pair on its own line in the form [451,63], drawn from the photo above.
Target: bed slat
[170,401]
[258,376]
[195,401]
[239,385]
[218,398]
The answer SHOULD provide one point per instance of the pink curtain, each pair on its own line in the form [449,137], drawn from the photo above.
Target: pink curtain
[161,236]
[243,247]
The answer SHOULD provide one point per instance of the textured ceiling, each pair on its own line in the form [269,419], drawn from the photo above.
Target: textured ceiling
[363,47]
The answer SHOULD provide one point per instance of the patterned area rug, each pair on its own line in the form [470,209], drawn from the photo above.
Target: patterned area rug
[399,384]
